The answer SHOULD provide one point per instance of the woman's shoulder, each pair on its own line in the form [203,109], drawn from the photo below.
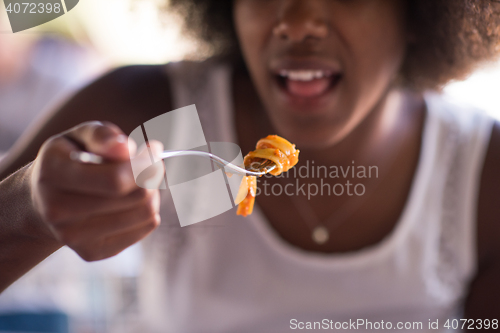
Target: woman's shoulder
[152,85]
[132,94]
[132,77]
[126,96]
[489,199]
[146,80]
[196,73]
[485,285]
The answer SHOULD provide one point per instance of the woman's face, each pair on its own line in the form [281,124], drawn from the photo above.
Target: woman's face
[320,66]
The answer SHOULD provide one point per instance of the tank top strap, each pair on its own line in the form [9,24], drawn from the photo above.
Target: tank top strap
[463,136]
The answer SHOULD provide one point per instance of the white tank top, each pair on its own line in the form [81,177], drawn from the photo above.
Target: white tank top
[234,274]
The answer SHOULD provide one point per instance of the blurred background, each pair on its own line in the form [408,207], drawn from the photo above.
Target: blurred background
[42,66]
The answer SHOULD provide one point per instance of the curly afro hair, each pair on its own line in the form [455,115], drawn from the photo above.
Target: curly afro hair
[450,38]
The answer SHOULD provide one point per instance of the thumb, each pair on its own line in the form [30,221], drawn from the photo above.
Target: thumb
[104,139]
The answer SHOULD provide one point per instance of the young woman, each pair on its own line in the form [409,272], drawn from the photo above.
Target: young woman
[344,81]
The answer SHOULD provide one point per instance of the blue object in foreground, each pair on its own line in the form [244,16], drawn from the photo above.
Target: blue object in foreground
[46,322]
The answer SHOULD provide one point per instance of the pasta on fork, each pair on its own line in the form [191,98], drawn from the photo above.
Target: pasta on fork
[272,148]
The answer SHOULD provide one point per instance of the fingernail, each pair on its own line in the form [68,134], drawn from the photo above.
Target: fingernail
[156,147]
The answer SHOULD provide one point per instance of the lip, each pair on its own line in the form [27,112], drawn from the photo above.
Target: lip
[311,104]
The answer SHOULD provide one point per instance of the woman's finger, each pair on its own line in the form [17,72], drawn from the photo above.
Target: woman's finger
[57,170]
[103,226]
[58,207]
[113,245]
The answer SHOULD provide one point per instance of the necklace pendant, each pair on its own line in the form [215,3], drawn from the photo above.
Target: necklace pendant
[320,235]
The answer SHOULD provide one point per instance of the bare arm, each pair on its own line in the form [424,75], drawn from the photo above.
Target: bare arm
[24,239]
[47,201]
[484,297]
[126,97]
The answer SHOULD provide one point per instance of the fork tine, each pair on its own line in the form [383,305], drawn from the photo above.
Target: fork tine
[263,165]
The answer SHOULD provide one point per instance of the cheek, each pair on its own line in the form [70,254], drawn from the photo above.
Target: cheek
[377,42]
[253,21]
[375,46]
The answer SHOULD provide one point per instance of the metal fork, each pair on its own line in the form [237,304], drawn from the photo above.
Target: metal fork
[253,170]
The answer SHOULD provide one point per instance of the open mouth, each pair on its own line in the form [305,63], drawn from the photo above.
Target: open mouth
[307,83]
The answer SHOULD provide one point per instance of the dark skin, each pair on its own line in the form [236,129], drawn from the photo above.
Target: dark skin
[350,127]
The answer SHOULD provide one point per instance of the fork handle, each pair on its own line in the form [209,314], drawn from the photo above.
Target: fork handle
[91,158]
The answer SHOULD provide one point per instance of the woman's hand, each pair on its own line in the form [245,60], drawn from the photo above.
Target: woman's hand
[97,210]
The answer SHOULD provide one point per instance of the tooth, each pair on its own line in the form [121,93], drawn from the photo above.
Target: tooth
[301,75]
[284,73]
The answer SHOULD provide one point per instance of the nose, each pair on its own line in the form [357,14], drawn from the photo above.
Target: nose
[300,20]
